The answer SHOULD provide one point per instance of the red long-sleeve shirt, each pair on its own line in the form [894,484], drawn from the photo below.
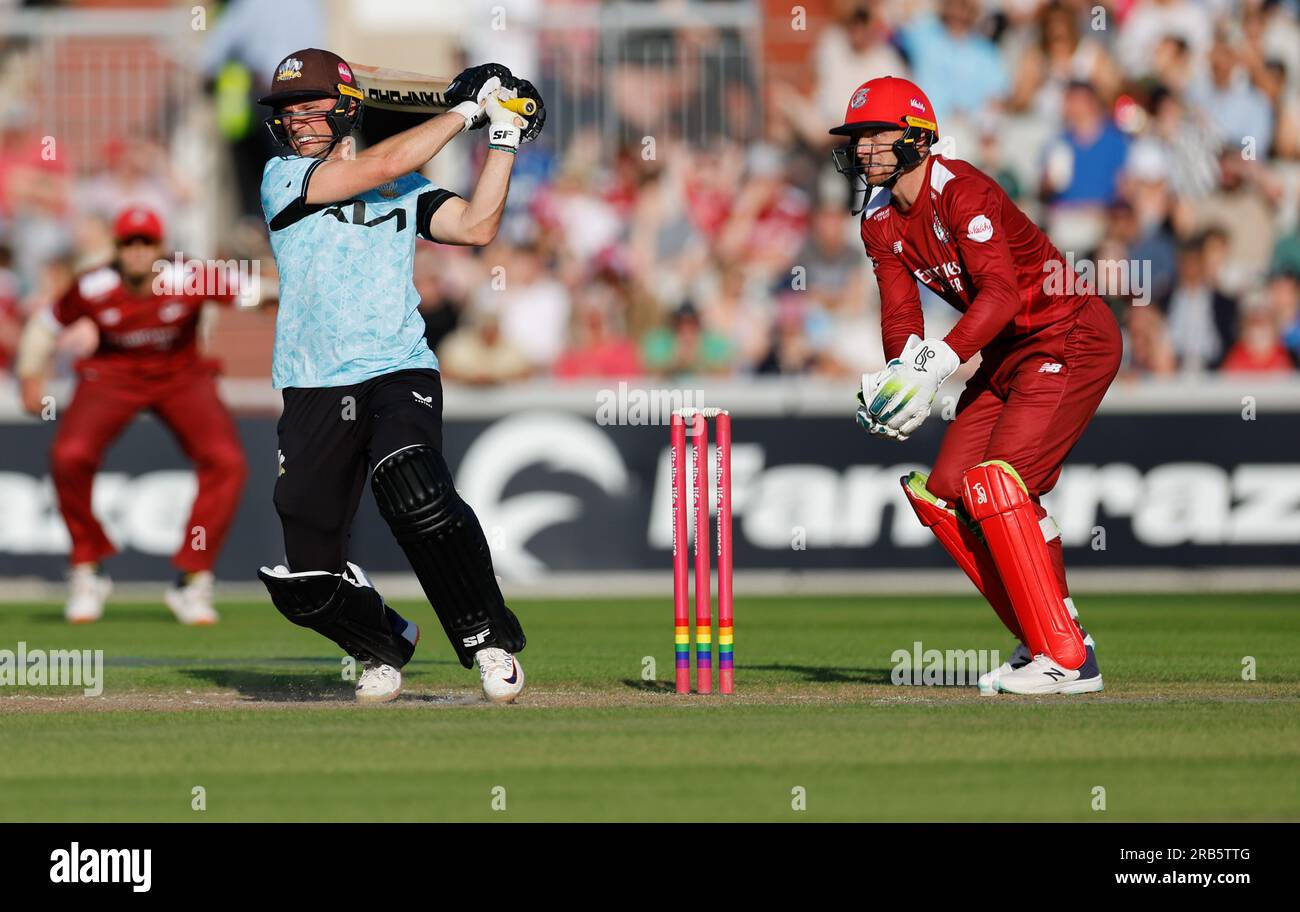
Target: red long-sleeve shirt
[970,244]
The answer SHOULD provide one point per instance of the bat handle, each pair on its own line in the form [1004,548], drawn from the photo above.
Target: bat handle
[525,106]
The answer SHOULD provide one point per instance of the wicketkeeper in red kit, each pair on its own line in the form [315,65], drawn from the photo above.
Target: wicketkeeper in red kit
[1047,360]
[147,360]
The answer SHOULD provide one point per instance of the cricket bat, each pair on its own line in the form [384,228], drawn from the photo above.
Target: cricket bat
[415,93]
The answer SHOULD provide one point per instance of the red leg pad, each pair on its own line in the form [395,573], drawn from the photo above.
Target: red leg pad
[969,553]
[997,500]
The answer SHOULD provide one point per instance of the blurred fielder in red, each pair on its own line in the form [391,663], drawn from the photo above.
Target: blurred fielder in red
[1047,360]
[147,360]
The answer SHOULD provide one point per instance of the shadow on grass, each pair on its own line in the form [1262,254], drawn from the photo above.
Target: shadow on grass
[277,686]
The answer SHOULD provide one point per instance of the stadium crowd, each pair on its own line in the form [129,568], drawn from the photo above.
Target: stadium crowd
[694,224]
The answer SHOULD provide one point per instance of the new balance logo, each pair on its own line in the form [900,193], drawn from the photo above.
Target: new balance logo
[1050,367]
[898,246]
[423,400]
[1054,673]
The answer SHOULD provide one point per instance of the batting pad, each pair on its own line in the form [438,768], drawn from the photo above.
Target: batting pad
[998,501]
[963,545]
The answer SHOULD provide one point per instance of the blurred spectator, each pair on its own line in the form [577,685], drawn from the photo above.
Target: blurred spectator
[1285,106]
[769,218]
[533,306]
[1148,350]
[789,350]
[959,68]
[11,315]
[601,348]
[479,354]
[1259,350]
[1202,320]
[1284,298]
[133,173]
[685,347]
[1149,22]
[1237,110]
[440,299]
[850,50]
[1244,200]
[1061,57]
[1082,169]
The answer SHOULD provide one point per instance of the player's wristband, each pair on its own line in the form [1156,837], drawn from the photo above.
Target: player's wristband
[468,110]
[504,137]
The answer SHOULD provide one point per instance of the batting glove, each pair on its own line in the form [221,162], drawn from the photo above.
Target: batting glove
[505,126]
[902,401]
[470,89]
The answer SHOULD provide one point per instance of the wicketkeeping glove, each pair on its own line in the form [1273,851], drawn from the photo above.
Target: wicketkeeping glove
[870,384]
[902,400]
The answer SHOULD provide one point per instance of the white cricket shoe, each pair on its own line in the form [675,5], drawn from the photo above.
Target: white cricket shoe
[1044,676]
[87,591]
[378,683]
[503,676]
[192,603]
[1020,657]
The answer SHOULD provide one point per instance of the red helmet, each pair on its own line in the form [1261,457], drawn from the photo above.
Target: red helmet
[888,102]
[138,222]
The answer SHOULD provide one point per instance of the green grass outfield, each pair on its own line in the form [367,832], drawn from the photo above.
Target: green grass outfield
[256,712]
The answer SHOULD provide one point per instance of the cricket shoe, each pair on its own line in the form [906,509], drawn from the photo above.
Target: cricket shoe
[1020,657]
[87,591]
[191,601]
[503,676]
[1044,676]
[379,682]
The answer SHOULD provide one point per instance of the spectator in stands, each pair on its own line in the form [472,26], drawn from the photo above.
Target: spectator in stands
[134,174]
[685,347]
[1060,57]
[1082,169]
[853,48]
[739,309]
[1202,320]
[1259,350]
[1149,22]
[1285,105]
[440,304]
[1247,199]
[960,68]
[478,353]
[1147,349]
[601,348]
[11,315]
[1283,293]
[1151,203]
[1240,113]
[789,350]
[533,307]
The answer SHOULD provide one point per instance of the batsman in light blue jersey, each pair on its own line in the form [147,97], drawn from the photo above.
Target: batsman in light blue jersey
[362,393]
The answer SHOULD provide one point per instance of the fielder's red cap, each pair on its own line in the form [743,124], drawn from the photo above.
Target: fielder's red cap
[138,222]
[888,103]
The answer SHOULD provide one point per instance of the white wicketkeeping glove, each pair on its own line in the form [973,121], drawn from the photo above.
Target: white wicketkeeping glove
[902,401]
[870,385]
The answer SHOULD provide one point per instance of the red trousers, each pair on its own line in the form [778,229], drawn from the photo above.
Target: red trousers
[187,403]
[1028,405]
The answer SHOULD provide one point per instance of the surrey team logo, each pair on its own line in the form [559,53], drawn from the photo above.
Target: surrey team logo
[859,98]
[388,190]
[290,69]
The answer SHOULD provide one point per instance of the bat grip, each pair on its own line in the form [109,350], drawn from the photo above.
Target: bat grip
[525,106]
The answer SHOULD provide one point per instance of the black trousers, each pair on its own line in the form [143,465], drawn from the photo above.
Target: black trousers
[330,440]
